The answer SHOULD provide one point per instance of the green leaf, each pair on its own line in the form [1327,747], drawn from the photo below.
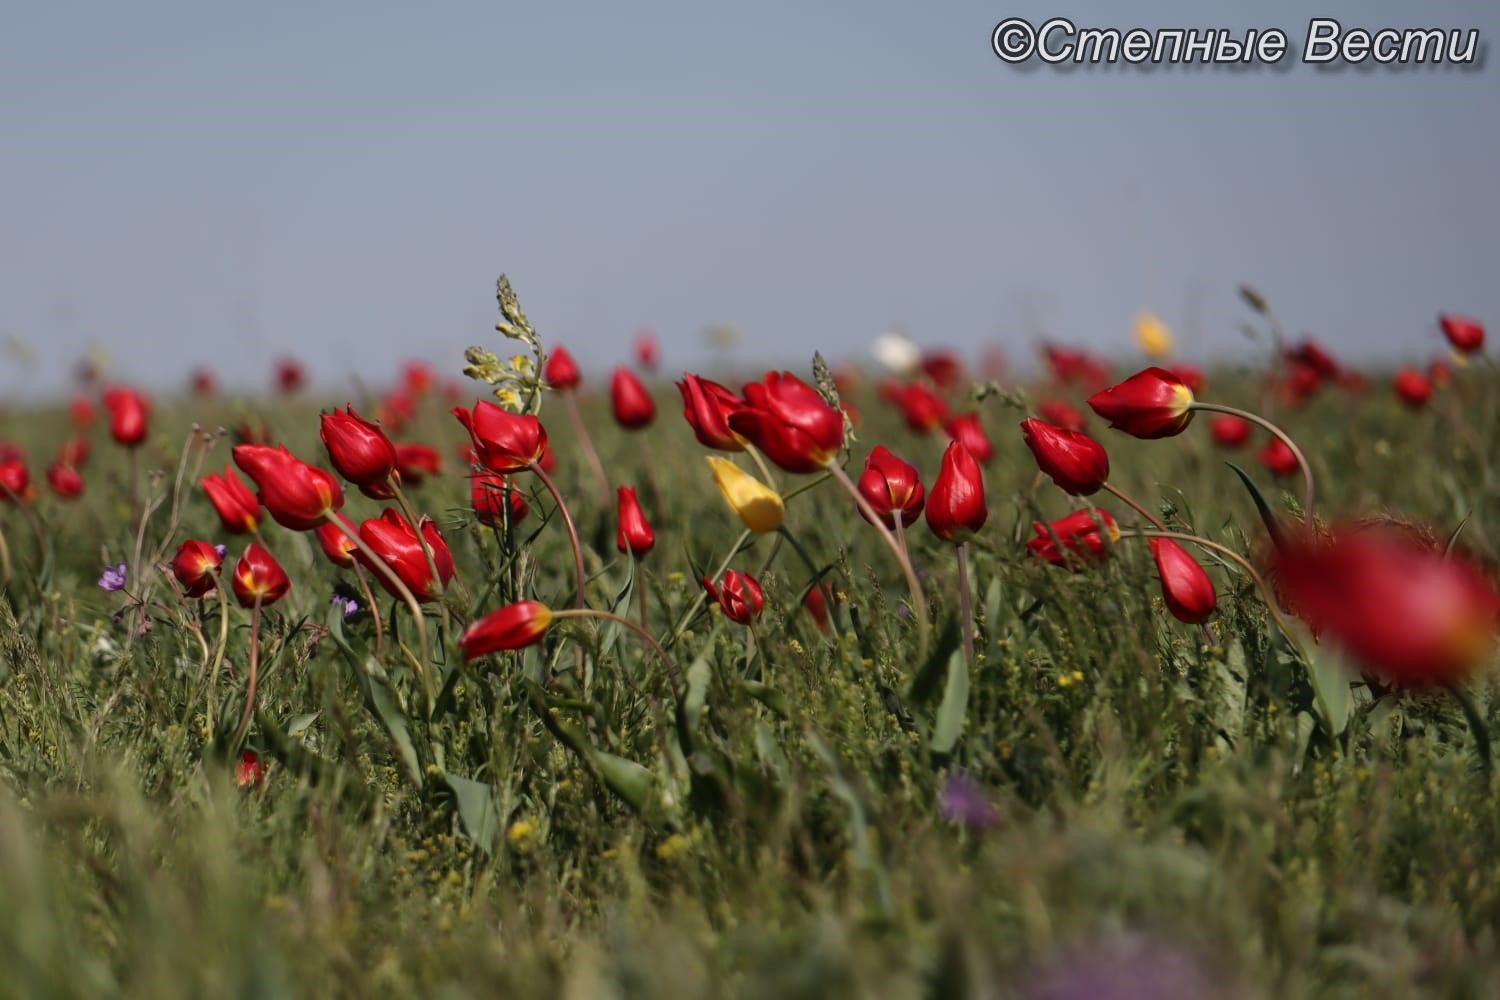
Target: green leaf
[768,696]
[627,779]
[1330,682]
[610,633]
[699,674]
[1264,509]
[925,683]
[954,707]
[477,814]
[300,723]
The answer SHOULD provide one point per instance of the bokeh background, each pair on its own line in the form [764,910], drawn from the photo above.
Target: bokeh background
[196,183]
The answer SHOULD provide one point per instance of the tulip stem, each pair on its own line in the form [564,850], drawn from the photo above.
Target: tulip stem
[760,463]
[562,508]
[251,679]
[369,595]
[384,569]
[1120,494]
[702,596]
[1265,591]
[918,600]
[1477,727]
[1308,492]
[965,608]
[5,567]
[649,460]
[589,451]
[411,518]
[661,654]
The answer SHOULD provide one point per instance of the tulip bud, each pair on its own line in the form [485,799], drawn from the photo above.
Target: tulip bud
[757,506]
[15,480]
[1076,462]
[1153,403]
[634,534]
[237,507]
[889,486]
[248,770]
[514,626]
[128,411]
[738,595]
[1466,335]
[360,452]
[921,408]
[632,403]
[1185,587]
[336,542]
[561,371]
[65,480]
[955,506]
[1277,457]
[488,493]
[258,577]
[1229,431]
[1412,387]
[195,566]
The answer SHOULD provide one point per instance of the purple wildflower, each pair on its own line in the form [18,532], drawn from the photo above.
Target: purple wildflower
[965,803]
[348,604]
[113,577]
[1129,966]
[221,550]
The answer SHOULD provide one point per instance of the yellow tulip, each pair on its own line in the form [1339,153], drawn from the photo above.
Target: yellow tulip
[1152,336]
[755,503]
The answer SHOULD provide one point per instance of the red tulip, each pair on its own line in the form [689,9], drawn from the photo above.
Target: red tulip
[488,492]
[1466,335]
[360,452]
[1185,587]
[1077,367]
[634,534]
[561,371]
[632,403]
[1081,536]
[1153,403]
[15,480]
[890,486]
[944,368]
[81,411]
[297,495]
[816,603]
[1439,374]
[1191,377]
[391,537]
[236,506]
[396,410]
[128,411]
[259,577]
[417,377]
[514,626]
[415,462]
[738,595]
[1229,431]
[967,429]
[335,541]
[203,383]
[1309,352]
[955,507]
[248,770]
[1413,388]
[647,351]
[289,375]
[790,422]
[707,406]
[1402,608]
[921,408]
[1277,457]
[1064,415]
[65,480]
[196,566]
[1301,381]
[504,442]
[74,451]
[1076,462]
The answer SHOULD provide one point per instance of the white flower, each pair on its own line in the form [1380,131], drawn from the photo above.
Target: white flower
[896,353]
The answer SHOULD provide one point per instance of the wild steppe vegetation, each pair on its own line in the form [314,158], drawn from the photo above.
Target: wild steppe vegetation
[927,761]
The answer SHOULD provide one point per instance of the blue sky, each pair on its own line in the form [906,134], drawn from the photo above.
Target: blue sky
[219,183]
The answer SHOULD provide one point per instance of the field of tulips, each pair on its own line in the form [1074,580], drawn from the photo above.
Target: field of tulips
[516,677]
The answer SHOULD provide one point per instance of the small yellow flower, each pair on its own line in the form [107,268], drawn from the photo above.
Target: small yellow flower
[522,834]
[756,504]
[1152,336]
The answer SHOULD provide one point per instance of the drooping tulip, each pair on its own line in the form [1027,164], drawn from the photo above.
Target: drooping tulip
[1076,462]
[738,595]
[891,487]
[1466,335]
[1402,608]
[297,495]
[707,406]
[236,505]
[631,401]
[634,534]
[503,441]
[1152,403]
[196,567]
[757,506]
[1185,586]
[360,451]
[956,508]
[514,626]
[790,423]
[1075,540]
[259,577]
[392,538]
